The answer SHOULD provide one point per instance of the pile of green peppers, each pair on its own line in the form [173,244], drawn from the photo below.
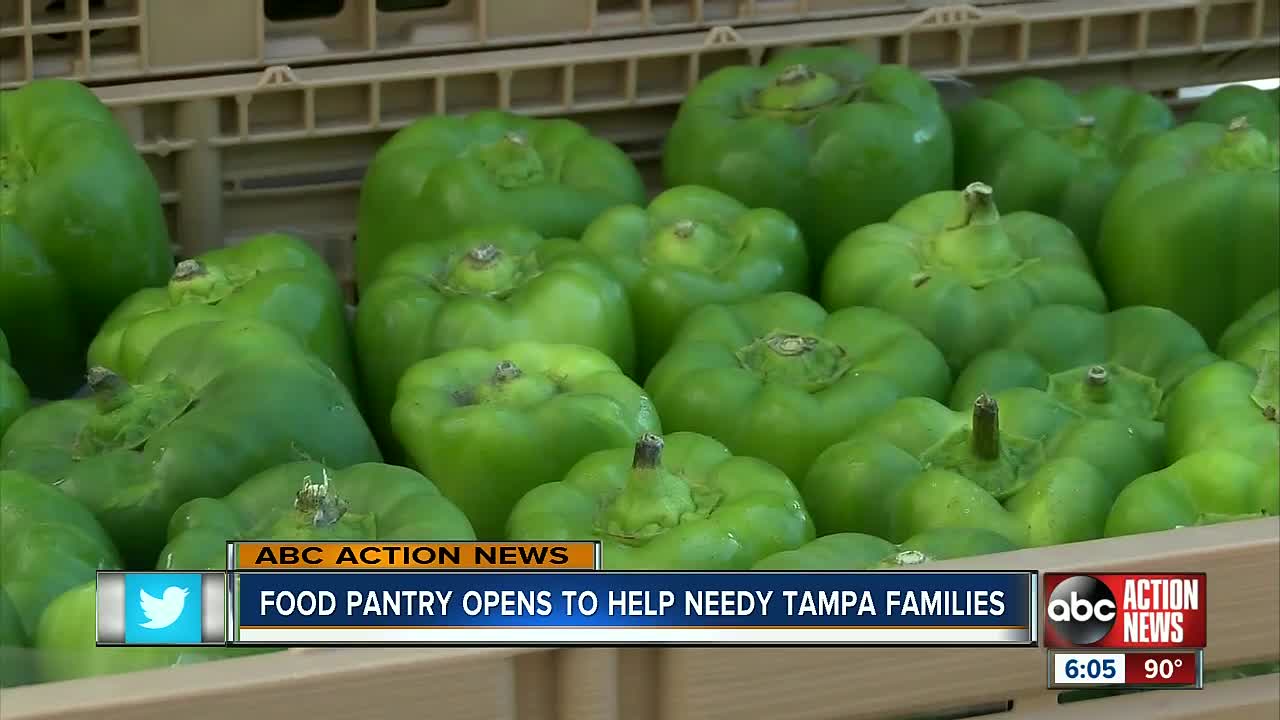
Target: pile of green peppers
[859,329]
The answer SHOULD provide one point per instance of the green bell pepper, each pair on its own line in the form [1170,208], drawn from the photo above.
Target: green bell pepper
[306,501]
[779,379]
[50,544]
[952,266]
[1121,365]
[275,278]
[1258,330]
[1020,464]
[824,135]
[1048,151]
[1192,226]
[485,287]
[13,393]
[211,408]
[1203,488]
[1224,438]
[488,426]
[443,174]
[65,638]
[1230,407]
[81,228]
[695,246]
[1260,107]
[856,551]
[17,660]
[682,502]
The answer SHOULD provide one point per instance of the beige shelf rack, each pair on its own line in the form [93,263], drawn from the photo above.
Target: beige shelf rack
[1242,561]
[285,148]
[115,40]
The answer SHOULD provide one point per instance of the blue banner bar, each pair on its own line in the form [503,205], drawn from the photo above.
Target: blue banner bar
[593,607]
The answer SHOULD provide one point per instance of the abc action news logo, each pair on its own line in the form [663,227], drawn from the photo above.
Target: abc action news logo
[1115,610]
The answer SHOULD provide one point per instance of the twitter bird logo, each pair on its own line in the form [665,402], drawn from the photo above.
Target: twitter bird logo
[165,609]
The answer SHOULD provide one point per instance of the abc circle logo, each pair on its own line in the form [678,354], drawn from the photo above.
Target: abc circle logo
[1082,610]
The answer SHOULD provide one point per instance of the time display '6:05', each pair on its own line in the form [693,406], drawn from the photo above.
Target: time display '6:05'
[1088,669]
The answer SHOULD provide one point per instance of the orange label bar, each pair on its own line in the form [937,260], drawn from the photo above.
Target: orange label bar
[415,556]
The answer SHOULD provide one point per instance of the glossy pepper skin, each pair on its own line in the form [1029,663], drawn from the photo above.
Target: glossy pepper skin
[1260,107]
[81,228]
[443,174]
[1022,465]
[307,501]
[1051,152]
[1248,338]
[214,406]
[1204,488]
[64,643]
[682,502]
[1122,365]
[1229,407]
[856,551]
[824,135]
[1192,226]
[274,278]
[50,545]
[694,246]
[780,379]
[13,393]
[488,426]
[484,288]
[963,274]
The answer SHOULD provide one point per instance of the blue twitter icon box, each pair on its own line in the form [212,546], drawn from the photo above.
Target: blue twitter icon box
[161,608]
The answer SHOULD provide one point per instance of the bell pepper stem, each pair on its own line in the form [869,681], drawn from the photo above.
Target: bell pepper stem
[979,205]
[648,452]
[1244,148]
[653,499]
[801,361]
[506,371]
[1096,380]
[910,557]
[797,92]
[512,161]
[484,254]
[1081,134]
[109,389]
[188,269]
[685,229]
[318,501]
[986,427]
[795,74]
[691,244]
[976,247]
[791,345]
[193,281]
[484,269]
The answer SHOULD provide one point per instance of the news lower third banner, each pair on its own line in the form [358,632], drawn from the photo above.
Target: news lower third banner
[634,608]
[438,594]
